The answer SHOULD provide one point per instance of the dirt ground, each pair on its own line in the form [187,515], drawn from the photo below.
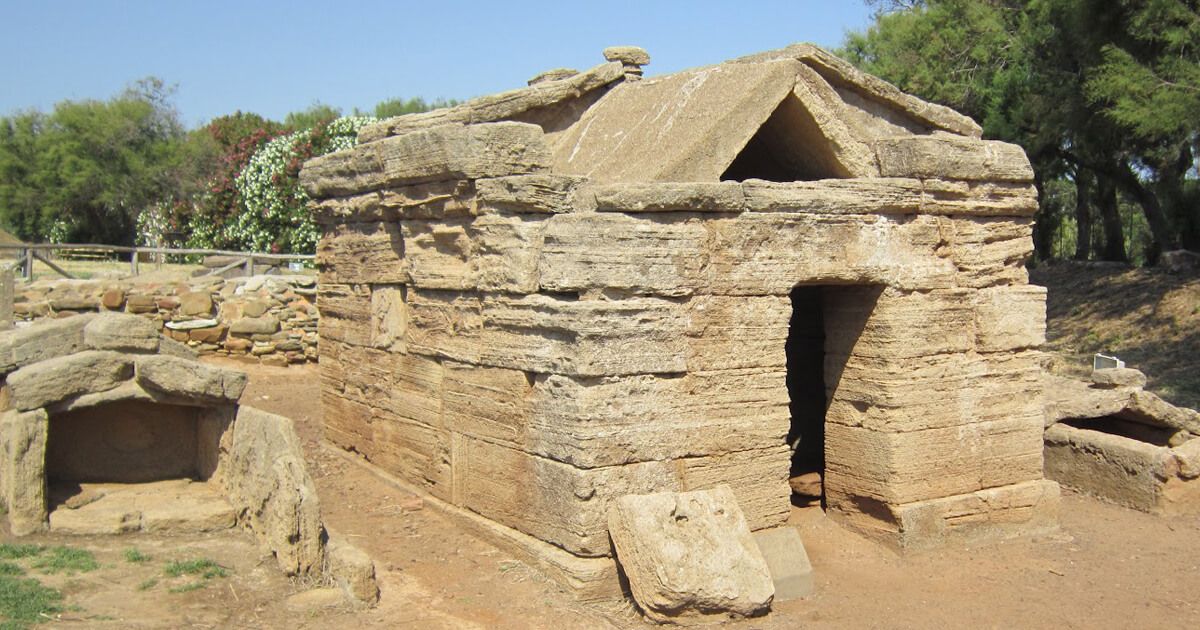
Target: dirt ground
[1108,567]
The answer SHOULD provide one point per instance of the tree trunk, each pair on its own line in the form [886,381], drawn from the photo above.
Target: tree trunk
[1083,216]
[1160,228]
[1046,224]
[1114,234]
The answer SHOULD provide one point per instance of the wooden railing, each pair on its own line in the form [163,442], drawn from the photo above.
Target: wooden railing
[27,254]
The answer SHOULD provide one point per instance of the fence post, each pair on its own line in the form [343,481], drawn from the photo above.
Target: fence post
[27,270]
[133,262]
[6,298]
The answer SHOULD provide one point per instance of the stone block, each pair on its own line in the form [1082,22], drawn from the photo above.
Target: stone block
[952,157]
[1109,378]
[440,153]
[791,570]
[44,340]
[263,325]
[141,304]
[353,253]
[689,556]
[58,379]
[987,251]
[1010,318]
[345,313]
[23,444]
[195,304]
[122,333]
[353,570]
[190,379]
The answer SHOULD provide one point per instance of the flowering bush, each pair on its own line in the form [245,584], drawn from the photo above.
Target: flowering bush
[274,208]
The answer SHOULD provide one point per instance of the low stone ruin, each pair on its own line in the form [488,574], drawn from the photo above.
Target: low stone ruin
[269,319]
[538,302]
[1112,439]
[108,428]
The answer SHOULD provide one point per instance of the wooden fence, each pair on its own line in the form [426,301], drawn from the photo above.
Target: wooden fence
[27,254]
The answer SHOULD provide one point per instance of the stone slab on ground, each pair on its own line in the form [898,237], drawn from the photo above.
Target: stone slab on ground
[689,556]
[791,570]
[170,506]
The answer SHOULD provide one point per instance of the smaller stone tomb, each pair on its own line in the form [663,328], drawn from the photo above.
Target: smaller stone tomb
[108,428]
[1111,439]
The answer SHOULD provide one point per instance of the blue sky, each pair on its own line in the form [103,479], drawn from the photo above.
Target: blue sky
[276,57]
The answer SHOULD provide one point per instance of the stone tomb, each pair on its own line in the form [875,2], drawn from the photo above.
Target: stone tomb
[600,285]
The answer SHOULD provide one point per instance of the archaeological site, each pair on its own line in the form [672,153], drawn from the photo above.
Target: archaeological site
[539,302]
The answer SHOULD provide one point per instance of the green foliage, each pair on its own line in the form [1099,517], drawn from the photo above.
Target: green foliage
[134,555]
[8,568]
[399,107]
[65,560]
[202,567]
[316,114]
[25,602]
[147,584]
[14,552]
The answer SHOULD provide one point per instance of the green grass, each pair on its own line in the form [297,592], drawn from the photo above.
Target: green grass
[8,568]
[13,552]
[135,556]
[66,560]
[24,602]
[202,566]
[186,588]
[148,584]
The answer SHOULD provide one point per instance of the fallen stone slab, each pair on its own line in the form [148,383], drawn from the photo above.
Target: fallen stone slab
[791,570]
[45,340]
[192,324]
[689,556]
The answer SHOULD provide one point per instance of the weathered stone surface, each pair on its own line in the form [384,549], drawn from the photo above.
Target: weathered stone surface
[55,380]
[195,303]
[536,193]
[438,153]
[23,445]
[352,569]
[172,348]
[952,157]
[1118,377]
[266,480]
[113,299]
[191,324]
[1120,469]
[190,379]
[122,333]
[263,325]
[632,55]
[787,560]
[1010,318]
[689,556]
[44,340]
[141,304]
[363,252]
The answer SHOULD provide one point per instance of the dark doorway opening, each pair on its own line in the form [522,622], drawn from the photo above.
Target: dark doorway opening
[805,348]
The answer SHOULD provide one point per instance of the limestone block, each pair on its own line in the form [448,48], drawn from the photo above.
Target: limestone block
[1148,408]
[433,200]
[266,480]
[195,303]
[974,198]
[1118,377]
[443,324]
[347,423]
[846,153]
[536,193]
[23,445]
[669,197]
[1068,398]
[643,254]
[389,317]
[345,313]
[689,556]
[428,155]
[353,253]
[44,340]
[920,465]
[438,253]
[987,251]
[991,514]
[836,196]
[952,157]
[172,348]
[603,421]
[791,570]
[750,254]
[505,254]
[727,332]
[353,570]
[1113,467]
[565,505]
[190,379]
[58,379]
[141,304]
[122,333]
[263,325]
[888,323]
[1010,318]
[539,333]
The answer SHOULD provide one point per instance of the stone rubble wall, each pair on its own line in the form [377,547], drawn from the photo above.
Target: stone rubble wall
[271,319]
